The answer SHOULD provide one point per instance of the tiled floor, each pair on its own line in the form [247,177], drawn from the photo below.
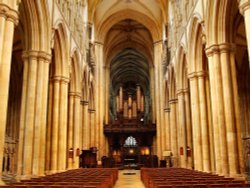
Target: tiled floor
[129,179]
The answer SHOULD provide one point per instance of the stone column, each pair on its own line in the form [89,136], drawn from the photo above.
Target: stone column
[8,19]
[62,128]
[216,136]
[158,93]
[85,126]
[49,128]
[188,128]
[92,132]
[167,129]
[55,124]
[70,128]
[107,94]
[244,6]
[204,121]
[182,128]
[32,125]
[219,115]
[76,129]
[227,63]
[46,58]
[100,97]
[173,129]
[196,122]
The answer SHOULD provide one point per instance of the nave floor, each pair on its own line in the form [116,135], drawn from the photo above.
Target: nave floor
[129,179]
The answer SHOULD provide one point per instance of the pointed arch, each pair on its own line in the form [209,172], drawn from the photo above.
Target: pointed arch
[75,73]
[219,23]
[61,51]
[182,68]
[196,46]
[36,21]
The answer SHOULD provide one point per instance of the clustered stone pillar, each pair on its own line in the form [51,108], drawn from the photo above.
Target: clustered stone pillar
[57,124]
[204,121]
[228,152]
[8,20]
[188,128]
[85,126]
[70,130]
[92,129]
[196,121]
[157,97]
[33,113]
[244,6]
[73,129]
[76,129]
[182,128]
[167,129]
[173,129]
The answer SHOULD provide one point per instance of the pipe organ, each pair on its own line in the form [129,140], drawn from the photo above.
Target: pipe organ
[130,102]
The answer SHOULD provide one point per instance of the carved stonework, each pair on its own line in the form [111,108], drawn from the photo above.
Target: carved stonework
[181,11]
[73,12]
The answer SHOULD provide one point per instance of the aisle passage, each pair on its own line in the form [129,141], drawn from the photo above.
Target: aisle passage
[129,179]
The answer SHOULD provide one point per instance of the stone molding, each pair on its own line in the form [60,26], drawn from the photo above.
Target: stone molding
[35,54]
[220,48]
[9,13]
[85,103]
[173,101]
[75,94]
[61,79]
[167,110]
[243,6]
[91,110]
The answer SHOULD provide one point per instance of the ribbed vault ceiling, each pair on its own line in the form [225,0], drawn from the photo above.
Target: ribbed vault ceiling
[129,43]
[129,66]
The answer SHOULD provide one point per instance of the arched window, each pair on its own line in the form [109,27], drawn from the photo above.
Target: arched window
[130,141]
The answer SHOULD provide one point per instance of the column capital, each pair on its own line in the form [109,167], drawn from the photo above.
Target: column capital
[210,50]
[226,47]
[91,110]
[167,110]
[9,13]
[192,75]
[84,103]
[243,6]
[220,48]
[61,79]
[201,74]
[181,92]
[173,101]
[36,54]
[75,94]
